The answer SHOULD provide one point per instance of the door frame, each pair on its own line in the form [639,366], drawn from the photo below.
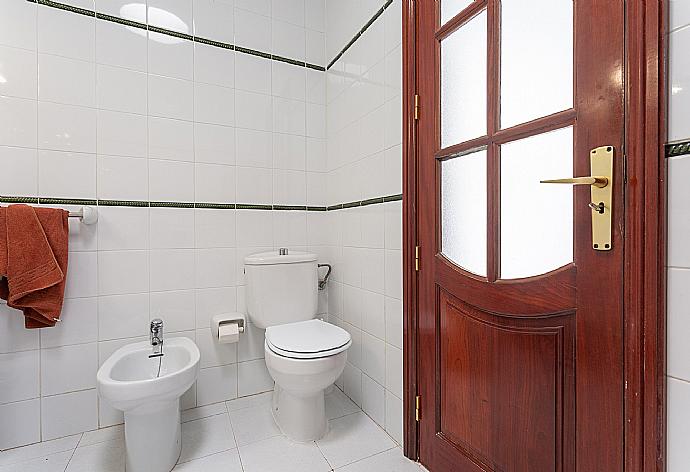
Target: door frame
[645,237]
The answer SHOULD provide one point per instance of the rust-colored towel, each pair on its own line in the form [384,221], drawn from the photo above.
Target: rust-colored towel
[33,262]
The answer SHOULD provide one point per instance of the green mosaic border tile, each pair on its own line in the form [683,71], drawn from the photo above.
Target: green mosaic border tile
[176,34]
[26,200]
[215,206]
[200,205]
[66,201]
[123,203]
[354,39]
[171,204]
[678,149]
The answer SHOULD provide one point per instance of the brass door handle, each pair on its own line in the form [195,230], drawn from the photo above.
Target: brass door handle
[596,180]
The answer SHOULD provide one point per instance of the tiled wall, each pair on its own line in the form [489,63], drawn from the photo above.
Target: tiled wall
[96,108]
[679,249]
[364,164]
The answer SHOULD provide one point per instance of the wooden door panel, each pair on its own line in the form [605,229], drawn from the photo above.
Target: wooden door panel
[503,378]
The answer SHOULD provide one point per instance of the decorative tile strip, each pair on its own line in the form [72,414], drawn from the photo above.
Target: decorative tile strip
[26,200]
[171,205]
[351,204]
[371,21]
[290,207]
[211,42]
[393,198]
[121,21]
[123,203]
[176,34]
[70,8]
[339,206]
[65,201]
[317,208]
[250,206]
[371,201]
[678,149]
[215,206]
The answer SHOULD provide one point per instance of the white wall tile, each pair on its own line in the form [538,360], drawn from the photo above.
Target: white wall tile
[122,272]
[123,316]
[214,228]
[217,384]
[253,377]
[678,424]
[70,413]
[254,185]
[291,11]
[214,144]
[20,175]
[18,119]
[121,134]
[679,224]
[78,324]
[68,81]
[13,336]
[213,301]
[171,269]
[171,139]
[123,178]
[170,56]
[215,267]
[68,368]
[394,417]
[19,376]
[19,71]
[172,228]
[254,148]
[171,181]
[288,81]
[253,111]
[82,276]
[213,353]
[121,89]
[214,183]
[252,31]
[214,20]
[120,45]
[214,65]
[66,174]
[288,40]
[373,400]
[63,33]
[171,98]
[21,423]
[175,308]
[175,15]
[18,24]
[253,73]
[251,345]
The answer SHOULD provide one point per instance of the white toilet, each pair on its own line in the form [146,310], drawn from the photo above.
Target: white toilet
[303,355]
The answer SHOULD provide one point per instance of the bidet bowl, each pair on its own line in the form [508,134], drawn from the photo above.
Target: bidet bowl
[148,389]
[130,378]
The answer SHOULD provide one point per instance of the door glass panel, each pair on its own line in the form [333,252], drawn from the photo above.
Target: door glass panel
[463,83]
[463,211]
[450,8]
[536,59]
[536,219]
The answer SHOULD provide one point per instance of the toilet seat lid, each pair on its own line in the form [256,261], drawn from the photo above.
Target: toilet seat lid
[307,339]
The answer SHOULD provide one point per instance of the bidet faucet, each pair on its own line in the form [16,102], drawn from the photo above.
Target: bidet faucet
[157,336]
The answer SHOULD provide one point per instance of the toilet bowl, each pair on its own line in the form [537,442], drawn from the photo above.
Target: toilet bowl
[148,389]
[304,359]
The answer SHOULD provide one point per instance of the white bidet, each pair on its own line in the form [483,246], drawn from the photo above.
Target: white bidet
[147,389]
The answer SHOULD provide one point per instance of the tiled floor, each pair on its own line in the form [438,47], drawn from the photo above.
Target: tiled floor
[234,436]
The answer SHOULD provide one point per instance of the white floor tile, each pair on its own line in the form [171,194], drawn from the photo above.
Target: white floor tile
[206,436]
[228,461]
[52,463]
[278,454]
[338,405]
[38,450]
[203,412]
[389,461]
[352,438]
[253,424]
[111,433]
[106,456]
[250,401]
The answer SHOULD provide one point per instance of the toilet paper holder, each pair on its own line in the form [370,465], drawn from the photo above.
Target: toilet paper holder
[226,319]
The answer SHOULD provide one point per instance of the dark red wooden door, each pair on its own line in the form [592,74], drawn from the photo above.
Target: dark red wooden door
[520,361]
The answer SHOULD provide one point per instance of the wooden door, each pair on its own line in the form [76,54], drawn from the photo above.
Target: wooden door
[520,333]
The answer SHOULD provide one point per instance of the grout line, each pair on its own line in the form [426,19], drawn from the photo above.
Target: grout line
[359,33]
[176,34]
[74,451]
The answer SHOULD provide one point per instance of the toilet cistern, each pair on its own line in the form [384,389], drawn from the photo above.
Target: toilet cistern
[156,337]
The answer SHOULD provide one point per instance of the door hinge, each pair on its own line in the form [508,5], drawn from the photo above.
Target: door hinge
[416,107]
[417,407]
[416,258]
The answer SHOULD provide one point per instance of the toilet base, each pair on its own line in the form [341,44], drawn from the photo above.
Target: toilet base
[152,437]
[300,417]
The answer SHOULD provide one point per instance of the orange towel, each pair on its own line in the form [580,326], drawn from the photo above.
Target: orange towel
[33,262]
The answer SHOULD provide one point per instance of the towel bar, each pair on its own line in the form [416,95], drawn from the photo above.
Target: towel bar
[87,214]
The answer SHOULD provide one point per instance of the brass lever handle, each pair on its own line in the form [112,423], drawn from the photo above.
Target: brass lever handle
[597,181]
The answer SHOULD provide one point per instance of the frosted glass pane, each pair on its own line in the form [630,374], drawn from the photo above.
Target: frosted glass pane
[463,83]
[463,211]
[450,8]
[536,219]
[536,59]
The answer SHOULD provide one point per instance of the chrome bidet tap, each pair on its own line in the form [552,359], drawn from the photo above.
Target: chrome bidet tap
[156,337]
